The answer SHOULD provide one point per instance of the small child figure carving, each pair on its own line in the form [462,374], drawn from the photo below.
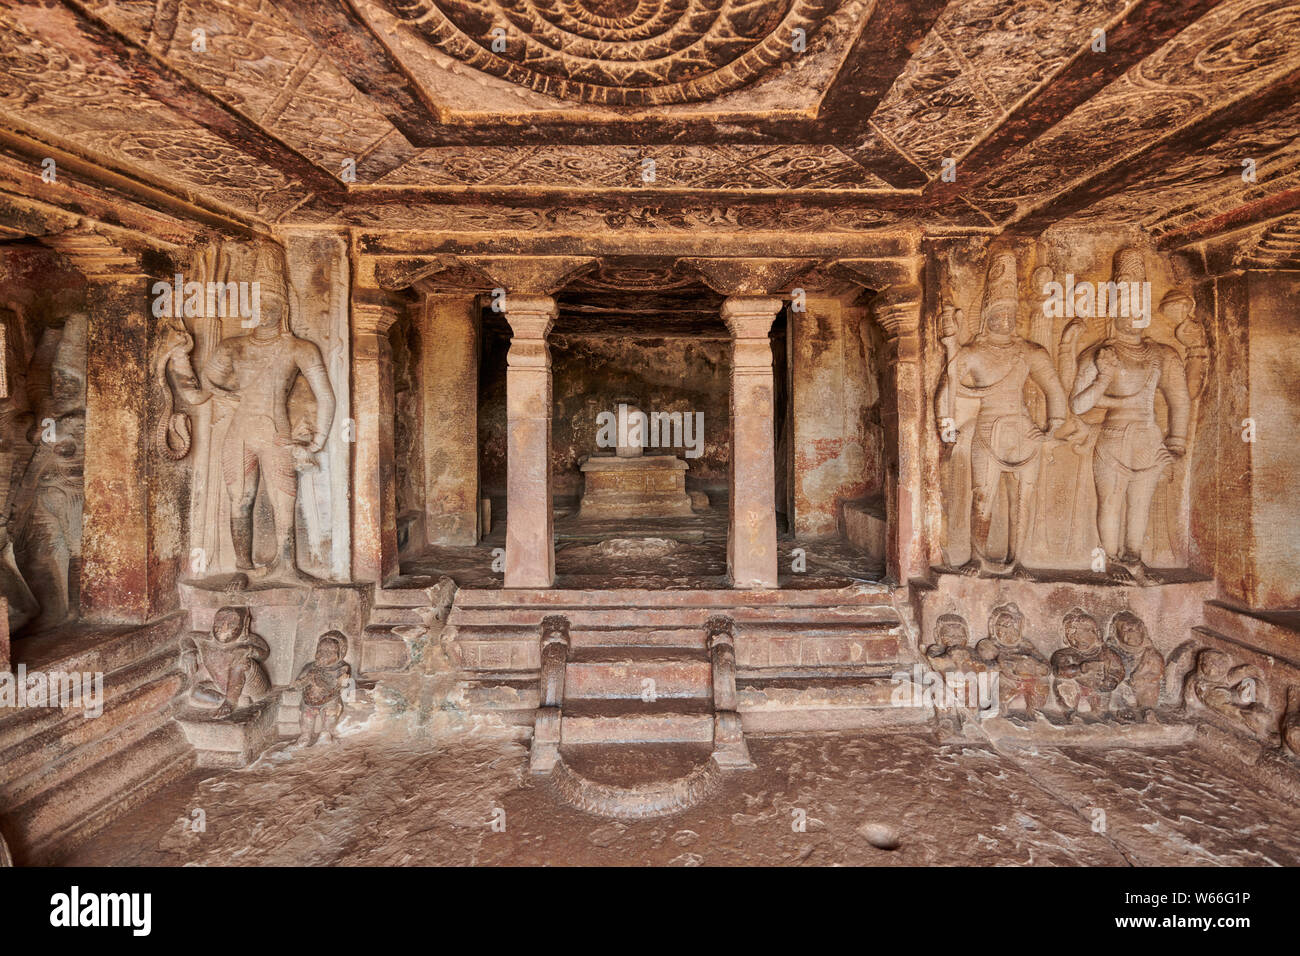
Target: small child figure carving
[322,683]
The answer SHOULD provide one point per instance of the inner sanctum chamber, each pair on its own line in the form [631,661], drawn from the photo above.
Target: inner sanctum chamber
[926,387]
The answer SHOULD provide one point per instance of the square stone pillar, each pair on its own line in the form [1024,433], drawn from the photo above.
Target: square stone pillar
[374,512]
[904,413]
[450,396]
[128,575]
[751,538]
[530,549]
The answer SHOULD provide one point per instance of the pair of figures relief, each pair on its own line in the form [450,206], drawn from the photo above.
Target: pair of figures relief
[996,445]
[248,379]
[1089,677]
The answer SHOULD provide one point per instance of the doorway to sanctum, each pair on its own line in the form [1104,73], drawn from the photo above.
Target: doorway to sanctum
[640,445]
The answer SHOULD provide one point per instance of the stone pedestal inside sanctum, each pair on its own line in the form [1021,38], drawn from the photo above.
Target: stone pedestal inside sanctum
[653,486]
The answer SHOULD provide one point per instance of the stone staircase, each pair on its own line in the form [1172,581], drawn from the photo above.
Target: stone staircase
[636,698]
[64,775]
[399,611]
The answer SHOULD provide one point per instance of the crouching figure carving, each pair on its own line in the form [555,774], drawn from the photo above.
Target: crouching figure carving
[225,666]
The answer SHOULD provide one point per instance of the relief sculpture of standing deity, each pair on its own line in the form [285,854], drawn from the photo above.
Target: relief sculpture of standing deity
[982,413]
[1122,375]
[249,377]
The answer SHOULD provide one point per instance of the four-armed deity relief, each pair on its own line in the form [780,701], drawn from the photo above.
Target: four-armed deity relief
[252,430]
[1059,453]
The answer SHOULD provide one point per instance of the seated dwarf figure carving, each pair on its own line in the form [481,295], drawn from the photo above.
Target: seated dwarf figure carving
[1023,673]
[1138,694]
[951,652]
[1085,671]
[1235,692]
[225,667]
[1122,375]
[322,683]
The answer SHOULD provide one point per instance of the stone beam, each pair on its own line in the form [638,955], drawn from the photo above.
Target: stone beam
[1134,35]
[1242,217]
[892,33]
[476,238]
[1164,153]
[74,27]
[110,200]
[339,31]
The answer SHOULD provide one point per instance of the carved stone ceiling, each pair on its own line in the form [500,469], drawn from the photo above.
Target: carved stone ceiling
[671,115]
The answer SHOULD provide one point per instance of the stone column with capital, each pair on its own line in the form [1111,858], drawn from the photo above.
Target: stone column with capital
[374,512]
[751,541]
[530,550]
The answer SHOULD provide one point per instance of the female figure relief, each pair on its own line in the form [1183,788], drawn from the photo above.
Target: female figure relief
[1122,375]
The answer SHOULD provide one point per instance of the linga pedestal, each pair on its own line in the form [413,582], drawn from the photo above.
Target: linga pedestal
[629,484]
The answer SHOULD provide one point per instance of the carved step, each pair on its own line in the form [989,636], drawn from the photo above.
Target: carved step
[60,817]
[389,616]
[42,754]
[595,672]
[561,601]
[637,781]
[663,637]
[20,726]
[640,617]
[632,721]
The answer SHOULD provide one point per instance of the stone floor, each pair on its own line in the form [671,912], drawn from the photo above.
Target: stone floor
[696,556]
[373,800]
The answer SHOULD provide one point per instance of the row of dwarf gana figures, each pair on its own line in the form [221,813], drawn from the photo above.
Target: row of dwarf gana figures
[1120,676]
[1092,678]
